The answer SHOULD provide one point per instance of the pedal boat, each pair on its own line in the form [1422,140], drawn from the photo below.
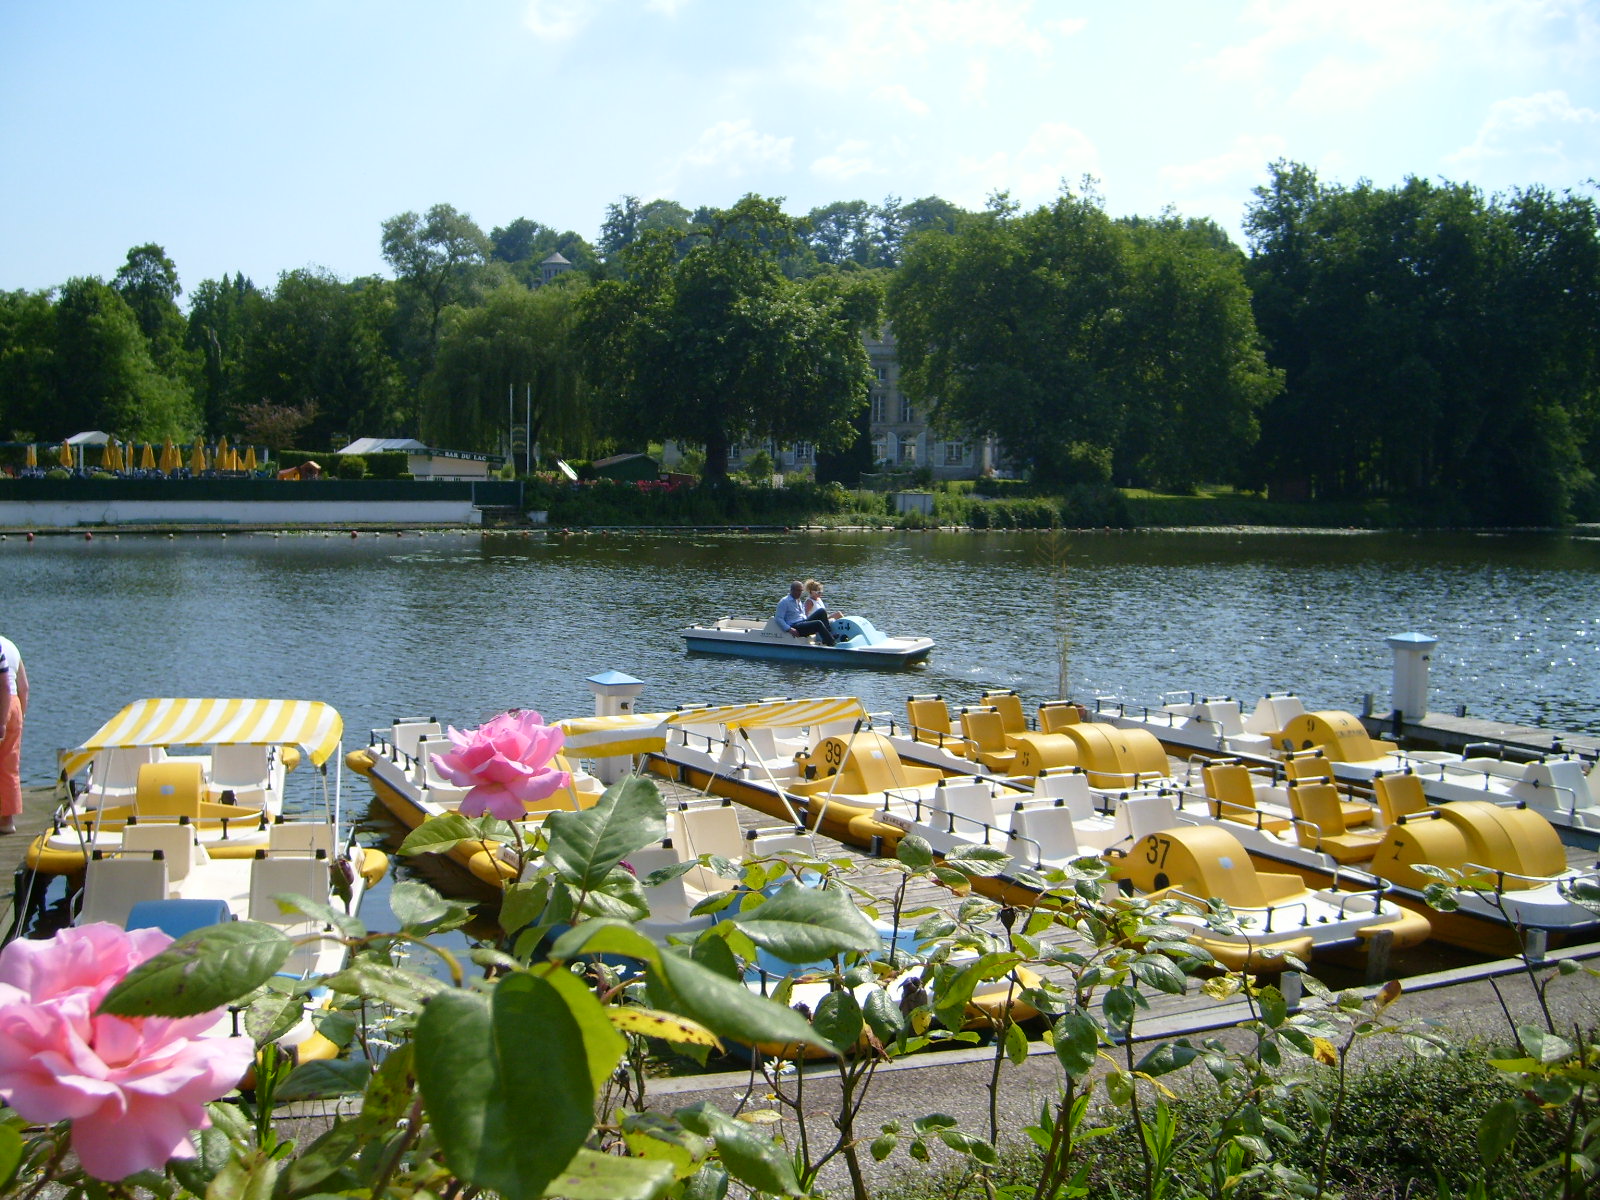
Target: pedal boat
[858,643]
[397,763]
[128,773]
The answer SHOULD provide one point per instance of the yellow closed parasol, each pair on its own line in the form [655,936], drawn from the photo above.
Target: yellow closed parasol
[250,463]
[147,459]
[32,457]
[197,457]
[65,455]
[171,460]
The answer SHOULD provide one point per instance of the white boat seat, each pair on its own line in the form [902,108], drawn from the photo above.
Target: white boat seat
[284,874]
[773,629]
[114,773]
[439,789]
[1272,713]
[972,800]
[405,734]
[1560,784]
[112,886]
[1137,817]
[1044,836]
[1069,787]
[246,771]
[1222,716]
[300,837]
[706,829]
[179,847]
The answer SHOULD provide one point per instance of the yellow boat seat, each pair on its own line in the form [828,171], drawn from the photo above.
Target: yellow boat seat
[1054,715]
[929,718]
[1231,790]
[1320,824]
[1009,705]
[1399,796]
[862,764]
[1316,768]
[171,788]
[1337,734]
[985,731]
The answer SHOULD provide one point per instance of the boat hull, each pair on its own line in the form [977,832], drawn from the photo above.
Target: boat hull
[859,644]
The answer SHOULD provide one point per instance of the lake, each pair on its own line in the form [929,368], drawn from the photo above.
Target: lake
[463,625]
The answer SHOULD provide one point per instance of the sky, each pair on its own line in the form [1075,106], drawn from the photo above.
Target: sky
[262,137]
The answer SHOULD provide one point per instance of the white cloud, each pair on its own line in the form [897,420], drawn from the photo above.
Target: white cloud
[1242,161]
[1055,153]
[556,20]
[1541,124]
[898,93]
[976,85]
[668,8]
[848,160]
[735,147]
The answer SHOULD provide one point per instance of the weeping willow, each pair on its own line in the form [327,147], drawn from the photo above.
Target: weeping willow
[515,339]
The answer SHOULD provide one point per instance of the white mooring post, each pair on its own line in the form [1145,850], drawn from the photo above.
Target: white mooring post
[1412,653]
[614,694]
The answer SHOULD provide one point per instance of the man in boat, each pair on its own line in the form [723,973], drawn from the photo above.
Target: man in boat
[791,615]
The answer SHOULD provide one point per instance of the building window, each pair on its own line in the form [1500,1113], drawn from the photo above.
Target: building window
[877,407]
[881,372]
[905,410]
[736,454]
[880,448]
[802,452]
[955,454]
[908,453]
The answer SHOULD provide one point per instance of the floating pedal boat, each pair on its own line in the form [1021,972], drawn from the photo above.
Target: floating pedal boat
[1562,788]
[1512,857]
[397,763]
[129,772]
[858,643]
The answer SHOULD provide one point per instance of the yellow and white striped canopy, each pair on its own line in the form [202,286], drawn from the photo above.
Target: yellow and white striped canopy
[646,733]
[310,724]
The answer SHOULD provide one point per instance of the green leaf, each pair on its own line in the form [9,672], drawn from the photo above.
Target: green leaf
[200,971]
[1274,1009]
[595,1176]
[440,835]
[388,1093]
[335,1077]
[915,852]
[726,1007]
[329,1154]
[585,846]
[1077,1043]
[1497,1130]
[1160,973]
[386,984]
[603,1046]
[652,1135]
[523,904]
[982,861]
[838,1018]
[884,1017]
[618,895]
[803,924]
[420,909]
[1120,1003]
[10,1153]
[1016,1044]
[750,1155]
[604,937]
[1168,1056]
[1543,1045]
[506,1083]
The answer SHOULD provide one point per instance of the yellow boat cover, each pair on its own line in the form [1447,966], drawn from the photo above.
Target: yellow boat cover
[310,724]
[646,733]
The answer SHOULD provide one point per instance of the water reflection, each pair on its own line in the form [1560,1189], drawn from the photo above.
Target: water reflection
[463,626]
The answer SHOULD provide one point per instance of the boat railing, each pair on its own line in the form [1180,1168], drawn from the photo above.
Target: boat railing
[1217,917]
[1500,876]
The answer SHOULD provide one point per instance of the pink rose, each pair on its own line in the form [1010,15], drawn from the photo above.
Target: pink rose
[506,763]
[134,1087]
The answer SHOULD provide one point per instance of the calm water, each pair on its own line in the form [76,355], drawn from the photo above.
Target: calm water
[465,625]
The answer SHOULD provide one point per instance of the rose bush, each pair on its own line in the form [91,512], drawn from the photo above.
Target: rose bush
[506,763]
[133,1087]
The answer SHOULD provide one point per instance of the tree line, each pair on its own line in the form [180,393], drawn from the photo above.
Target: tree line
[1423,343]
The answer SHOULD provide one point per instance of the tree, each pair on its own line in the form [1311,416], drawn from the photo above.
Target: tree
[515,339]
[523,245]
[217,333]
[27,363]
[104,375]
[438,261]
[718,347]
[1065,334]
[628,220]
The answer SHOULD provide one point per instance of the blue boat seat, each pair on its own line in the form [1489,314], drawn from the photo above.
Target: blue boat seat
[178,917]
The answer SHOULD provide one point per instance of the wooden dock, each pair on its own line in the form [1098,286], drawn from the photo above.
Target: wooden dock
[1443,731]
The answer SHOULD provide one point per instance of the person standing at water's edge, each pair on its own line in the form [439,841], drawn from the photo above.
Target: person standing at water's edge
[13,704]
[791,615]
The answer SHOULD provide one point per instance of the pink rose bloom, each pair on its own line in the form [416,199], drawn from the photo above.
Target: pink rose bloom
[506,763]
[133,1087]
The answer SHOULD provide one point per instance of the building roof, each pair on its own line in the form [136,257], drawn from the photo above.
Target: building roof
[378,445]
[555,257]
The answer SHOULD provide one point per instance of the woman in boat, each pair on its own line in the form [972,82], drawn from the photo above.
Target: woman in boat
[816,606]
[791,615]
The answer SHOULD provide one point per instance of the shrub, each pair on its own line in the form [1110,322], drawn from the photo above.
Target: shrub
[351,466]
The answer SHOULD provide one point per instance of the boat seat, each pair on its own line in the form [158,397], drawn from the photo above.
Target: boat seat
[179,847]
[246,771]
[1315,768]
[406,732]
[1271,714]
[699,829]
[1137,817]
[114,773]
[1222,716]
[1044,836]
[273,875]
[1399,796]
[176,917]
[773,629]
[1560,784]
[929,718]
[300,837]
[1231,790]
[112,886]
[171,788]
[1009,705]
[1055,715]
[985,732]
[1068,788]
[669,902]
[971,800]
[1320,824]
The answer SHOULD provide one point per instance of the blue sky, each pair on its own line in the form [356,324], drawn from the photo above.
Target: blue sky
[262,137]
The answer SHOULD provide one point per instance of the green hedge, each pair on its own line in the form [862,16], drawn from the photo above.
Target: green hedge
[385,464]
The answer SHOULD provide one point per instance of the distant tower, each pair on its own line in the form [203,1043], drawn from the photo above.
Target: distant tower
[551,267]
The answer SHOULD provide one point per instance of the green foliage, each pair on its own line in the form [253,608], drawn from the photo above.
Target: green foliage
[350,466]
